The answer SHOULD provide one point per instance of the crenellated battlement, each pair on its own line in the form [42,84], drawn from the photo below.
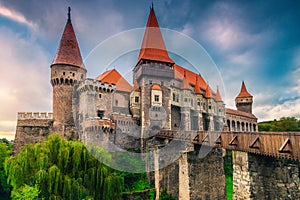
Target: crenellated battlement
[95,85]
[35,115]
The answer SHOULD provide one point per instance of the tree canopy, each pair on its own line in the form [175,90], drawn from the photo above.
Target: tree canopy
[284,124]
[62,169]
[5,151]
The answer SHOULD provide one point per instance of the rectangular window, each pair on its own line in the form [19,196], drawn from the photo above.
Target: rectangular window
[199,104]
[136,99]
[162,83]
[100,113]
[116,102]
[185,99]
[174,97]
[209,107]
[150,82]
[156,98]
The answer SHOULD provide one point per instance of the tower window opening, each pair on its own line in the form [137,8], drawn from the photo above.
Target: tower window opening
[100,113]
[156,98]
[100,96]
[150,82]
[73,74]
[174,96]
[116,102]
[209,107]
[64,73]
[136,99]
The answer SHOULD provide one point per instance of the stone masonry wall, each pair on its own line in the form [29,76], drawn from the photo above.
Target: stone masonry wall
[206,175]
[31,131]
[261,177]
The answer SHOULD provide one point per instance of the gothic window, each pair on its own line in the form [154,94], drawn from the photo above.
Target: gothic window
[156,98]
[136,99]
[174,96]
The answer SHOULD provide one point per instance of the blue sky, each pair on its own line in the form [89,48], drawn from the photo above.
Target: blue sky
[254,41]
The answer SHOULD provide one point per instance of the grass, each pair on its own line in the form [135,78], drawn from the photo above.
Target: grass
[229,187]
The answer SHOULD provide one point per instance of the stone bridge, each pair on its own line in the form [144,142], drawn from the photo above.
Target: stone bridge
[263,165]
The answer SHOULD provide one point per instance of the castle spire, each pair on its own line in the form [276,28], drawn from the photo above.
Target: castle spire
[153,46]
[244,92]
[68,52]
[208,93]
[218,95]
[185,83]
[197,86]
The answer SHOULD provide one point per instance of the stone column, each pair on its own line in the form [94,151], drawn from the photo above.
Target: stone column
[184,188]
[241,176]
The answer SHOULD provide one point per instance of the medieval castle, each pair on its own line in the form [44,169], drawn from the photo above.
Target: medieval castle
[164,96]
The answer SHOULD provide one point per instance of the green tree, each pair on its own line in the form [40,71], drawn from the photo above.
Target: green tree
[62,169]
[26,193]
[5,151]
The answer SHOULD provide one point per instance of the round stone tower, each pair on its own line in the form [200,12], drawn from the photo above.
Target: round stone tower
[244,100]
[67,68]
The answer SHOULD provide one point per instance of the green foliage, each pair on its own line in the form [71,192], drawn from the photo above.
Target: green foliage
[284,124]
[229,187]
[62,169]
[26,193]
[228,170]
[5,151]
[165,196]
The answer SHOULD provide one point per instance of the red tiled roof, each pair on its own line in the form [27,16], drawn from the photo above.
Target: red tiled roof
[185,83]
[218,95]
[244,92]
[190,76]
[153,46]
[156,87]
[240,113]
[197,89]
[136,86]
[208,93]
[114,77]
[68,51]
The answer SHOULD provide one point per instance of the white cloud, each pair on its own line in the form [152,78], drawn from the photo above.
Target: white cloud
[15,16]
[24,78]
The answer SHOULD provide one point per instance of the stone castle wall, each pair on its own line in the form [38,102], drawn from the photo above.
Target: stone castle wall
[261,177]
[31,128]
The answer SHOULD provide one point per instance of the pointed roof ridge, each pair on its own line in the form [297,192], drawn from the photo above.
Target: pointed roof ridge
[185,83]
[208,93]
[153,46]
[197,89]
[68,51]
[243,92]
[218,95]
[136,86]
[112,76]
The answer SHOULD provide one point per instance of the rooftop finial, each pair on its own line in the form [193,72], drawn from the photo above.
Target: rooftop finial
[151,7]
[69,13]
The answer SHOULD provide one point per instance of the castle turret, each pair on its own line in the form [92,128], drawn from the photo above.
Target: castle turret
[244,100]
[67,68]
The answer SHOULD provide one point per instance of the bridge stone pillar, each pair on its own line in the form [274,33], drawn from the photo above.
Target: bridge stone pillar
[262,177]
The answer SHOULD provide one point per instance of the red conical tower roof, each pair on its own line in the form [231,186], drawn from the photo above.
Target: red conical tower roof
[185,83]
[244,92]
[197,89]
[153,46]
[68,51]
[218,95]
[208,93]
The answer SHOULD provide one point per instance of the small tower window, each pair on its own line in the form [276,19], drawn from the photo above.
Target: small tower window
[156,98]
[174,96]
[100,96]
[136,99]
[162,83]
[209,107]
[73,74]
[100,113]
[64,73]
[116,102]
[150,82]
[199,103]
[185,99]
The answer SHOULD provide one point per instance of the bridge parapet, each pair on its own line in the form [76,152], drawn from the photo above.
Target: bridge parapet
[275,144]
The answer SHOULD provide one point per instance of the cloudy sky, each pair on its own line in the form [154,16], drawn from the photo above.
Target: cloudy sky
[254,41]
